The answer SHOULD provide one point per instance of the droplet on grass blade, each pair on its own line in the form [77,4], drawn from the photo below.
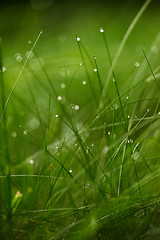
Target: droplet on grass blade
[101,30]
[137,64]
[95,70]
[63,85]
[84,82]
[78,39]
[34,123]
[18,57]
[76,107]
[59,98]
[14,134]
[31,161]
[29,54]
[154,49]
[4,69]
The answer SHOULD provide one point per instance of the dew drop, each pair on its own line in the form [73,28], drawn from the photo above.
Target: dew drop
[137,64]
[101,30]
[4,69]
[95,70]
[59,98]
[31,161]
[80,64]
[63,85]
[70,171]
[29,54]
[18,57]
[154,50]
[56,115]
[109,132]
[34,123]
[128,116]
[136,155]
[78,39]
[25,132]
[76,107]
[84,82]
[14,134]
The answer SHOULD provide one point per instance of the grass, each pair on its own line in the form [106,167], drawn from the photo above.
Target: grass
[79,142]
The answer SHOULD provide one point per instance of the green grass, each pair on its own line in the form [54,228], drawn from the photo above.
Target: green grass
[80,137]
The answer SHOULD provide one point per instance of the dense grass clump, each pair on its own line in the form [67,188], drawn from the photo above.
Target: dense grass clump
[79,150]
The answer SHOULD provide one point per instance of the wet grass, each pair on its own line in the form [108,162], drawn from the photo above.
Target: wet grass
[80,140]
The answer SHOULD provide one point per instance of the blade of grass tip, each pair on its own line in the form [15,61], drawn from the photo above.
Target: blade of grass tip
[6,164]
[150,68]
[114,77]
[124,40]
[86,70]
[15,83]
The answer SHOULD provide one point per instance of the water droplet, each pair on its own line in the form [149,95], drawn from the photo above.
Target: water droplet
[14,134]
[59,98]
[127,97]
[4,69]
[116,106]
[109,132]
[78,39]
[101,30]
[31,161]
[128,116]
[56,115]
[75,144]
[136,155]
[80,64]
[105,150]
[92,144]
[63,85]
[84,82]
[94,57]
[29,54]
[76,107]
[159,113]
[95,70]
[18,57]
[34,123]
[154,49]
[56,147]
[25,132]
[114,79]
[137,64]
[70,171]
